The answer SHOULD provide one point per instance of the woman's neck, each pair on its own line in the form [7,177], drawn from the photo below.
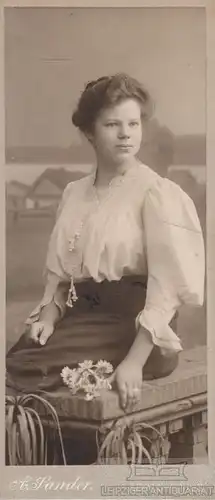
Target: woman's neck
[106,172]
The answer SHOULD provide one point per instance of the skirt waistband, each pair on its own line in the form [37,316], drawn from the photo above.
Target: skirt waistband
[126,296]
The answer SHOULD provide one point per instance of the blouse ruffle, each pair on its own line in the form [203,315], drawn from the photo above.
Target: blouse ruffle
[149,226]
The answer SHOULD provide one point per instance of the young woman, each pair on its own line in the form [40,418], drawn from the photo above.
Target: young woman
[125,253]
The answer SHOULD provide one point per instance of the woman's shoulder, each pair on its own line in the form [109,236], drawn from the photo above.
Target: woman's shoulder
[81,181]
[166,197]
[148,178]
[74,190]
[79,184]
[167,201]
[158,186]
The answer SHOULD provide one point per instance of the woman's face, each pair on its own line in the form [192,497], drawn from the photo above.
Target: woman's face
[118,132]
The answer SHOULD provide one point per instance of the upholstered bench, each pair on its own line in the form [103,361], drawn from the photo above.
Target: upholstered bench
[175,406]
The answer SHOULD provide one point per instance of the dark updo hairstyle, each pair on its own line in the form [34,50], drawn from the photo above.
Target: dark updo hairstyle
[106,92]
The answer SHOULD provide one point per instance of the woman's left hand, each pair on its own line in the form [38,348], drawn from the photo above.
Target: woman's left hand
[128,379]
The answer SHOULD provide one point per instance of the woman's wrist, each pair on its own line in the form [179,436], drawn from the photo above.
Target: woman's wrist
[50,314]
[140,349]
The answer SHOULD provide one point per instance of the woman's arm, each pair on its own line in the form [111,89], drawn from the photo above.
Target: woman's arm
[175,258]
[128,375]
[141,348]
[43,328]
[51,309]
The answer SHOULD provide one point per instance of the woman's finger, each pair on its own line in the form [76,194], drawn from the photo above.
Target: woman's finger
[122,395]
[133,396]
[46,333]
[130,397]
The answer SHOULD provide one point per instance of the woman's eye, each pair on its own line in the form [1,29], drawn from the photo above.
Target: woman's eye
[134,124]
[111,124]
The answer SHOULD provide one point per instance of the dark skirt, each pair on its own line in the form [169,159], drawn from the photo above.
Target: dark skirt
[101,325]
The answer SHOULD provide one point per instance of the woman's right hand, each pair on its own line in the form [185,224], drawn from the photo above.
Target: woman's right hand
[40,331]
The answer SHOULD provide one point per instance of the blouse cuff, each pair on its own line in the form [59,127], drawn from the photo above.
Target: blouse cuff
[57,296]
[157,324]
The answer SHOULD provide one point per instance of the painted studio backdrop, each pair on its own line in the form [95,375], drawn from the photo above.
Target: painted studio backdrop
[50,54]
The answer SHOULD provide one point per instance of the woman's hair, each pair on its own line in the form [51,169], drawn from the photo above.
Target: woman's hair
[106,92]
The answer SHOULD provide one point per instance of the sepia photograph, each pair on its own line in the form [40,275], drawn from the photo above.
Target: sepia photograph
[105,189]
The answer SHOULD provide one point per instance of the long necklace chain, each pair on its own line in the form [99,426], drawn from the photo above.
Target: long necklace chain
[72,294]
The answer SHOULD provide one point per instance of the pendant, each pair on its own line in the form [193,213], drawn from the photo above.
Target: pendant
[72,295]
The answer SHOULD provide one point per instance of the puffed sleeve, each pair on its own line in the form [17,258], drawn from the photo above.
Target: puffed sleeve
[175,256]
[56,286]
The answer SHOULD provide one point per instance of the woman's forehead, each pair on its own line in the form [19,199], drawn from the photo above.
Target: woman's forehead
[127,107]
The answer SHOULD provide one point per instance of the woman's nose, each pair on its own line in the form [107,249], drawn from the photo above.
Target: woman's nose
[124,131]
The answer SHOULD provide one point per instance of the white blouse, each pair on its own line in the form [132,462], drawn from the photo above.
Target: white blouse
[145,225]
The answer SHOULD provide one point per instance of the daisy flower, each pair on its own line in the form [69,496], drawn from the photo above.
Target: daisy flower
[86,365]
[88,378]
[103,366]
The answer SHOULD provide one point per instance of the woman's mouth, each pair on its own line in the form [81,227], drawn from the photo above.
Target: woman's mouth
[124,146]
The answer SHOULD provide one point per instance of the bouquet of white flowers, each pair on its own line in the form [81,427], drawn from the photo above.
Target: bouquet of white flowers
[88,378]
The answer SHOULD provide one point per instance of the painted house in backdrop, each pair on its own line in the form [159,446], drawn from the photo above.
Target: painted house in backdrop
[47,189]
[16,193]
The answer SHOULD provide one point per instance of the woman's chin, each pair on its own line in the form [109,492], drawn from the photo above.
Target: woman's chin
[124,155]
